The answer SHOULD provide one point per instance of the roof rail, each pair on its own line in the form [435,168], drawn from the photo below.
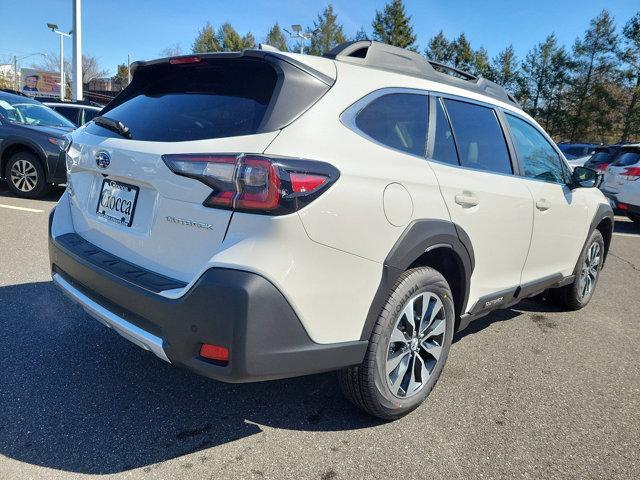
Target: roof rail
[394,59]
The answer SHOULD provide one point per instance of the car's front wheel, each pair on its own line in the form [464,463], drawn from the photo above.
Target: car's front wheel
[577,295]
[407,349]
[25,176]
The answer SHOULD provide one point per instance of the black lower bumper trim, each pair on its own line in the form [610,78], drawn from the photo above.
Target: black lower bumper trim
[236,309]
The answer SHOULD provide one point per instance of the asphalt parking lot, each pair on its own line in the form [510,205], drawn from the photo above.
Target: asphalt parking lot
[528,392]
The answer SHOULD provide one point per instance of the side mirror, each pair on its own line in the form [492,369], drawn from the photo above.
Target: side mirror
[584,177]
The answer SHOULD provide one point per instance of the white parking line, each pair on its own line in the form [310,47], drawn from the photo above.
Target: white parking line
[24,209]
[627,235]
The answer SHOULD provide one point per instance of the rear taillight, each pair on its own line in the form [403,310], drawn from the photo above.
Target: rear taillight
[256,183]
[631,173]
[602,167]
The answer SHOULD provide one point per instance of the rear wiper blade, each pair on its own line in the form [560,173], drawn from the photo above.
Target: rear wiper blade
[113,125]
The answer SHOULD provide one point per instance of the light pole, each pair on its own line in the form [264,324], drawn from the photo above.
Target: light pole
[15,67]
[54,29]
[298,33]
[77,50]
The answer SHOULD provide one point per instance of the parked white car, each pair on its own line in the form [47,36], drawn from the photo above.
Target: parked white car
[264,215]
[622,181]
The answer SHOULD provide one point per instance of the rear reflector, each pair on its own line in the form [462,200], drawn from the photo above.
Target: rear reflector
[184,60]
[214,352]
[255,183]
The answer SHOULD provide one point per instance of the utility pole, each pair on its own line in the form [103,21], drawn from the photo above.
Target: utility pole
[16,86]
[128,68]
[77,50]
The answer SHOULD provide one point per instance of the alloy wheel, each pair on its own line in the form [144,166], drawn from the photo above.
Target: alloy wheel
[24,175]
[589,273]
[415,344]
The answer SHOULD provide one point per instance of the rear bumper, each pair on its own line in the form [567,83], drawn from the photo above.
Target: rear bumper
[623,203]
[239,310]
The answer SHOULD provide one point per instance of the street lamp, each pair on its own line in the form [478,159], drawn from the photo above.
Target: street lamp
[54,29]
[15,67]
[298,33]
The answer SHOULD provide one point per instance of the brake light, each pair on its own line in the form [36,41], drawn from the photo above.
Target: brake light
[602,167]
[305,182]
[255,183]
[631,173]
[184,60]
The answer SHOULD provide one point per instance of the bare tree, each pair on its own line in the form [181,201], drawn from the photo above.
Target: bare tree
[171,51]
[91,67]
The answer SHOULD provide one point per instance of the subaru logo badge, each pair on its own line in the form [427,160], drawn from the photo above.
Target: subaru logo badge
[103,160]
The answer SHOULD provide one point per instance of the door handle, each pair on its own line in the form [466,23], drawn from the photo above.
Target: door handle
[543,205]
[467,200]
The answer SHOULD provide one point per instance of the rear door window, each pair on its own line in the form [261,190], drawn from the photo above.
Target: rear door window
[479,137]
[396,120]
[89,114]
[174,103]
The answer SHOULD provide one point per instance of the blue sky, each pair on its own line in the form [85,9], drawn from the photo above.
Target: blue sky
[113,28]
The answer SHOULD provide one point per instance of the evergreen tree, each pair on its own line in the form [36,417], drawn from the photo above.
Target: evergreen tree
[630,56]
[248,41]
[206,40]
[229,39]
[326,32]
[393,26]
[276,38]
[594,58]
[463,56]
[122,75]
[439,49]
[481,64]
[506,71]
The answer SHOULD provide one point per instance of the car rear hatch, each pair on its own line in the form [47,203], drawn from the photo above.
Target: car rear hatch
[127,201]
[625,169]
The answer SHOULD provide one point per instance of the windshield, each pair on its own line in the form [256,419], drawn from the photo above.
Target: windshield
[33,114]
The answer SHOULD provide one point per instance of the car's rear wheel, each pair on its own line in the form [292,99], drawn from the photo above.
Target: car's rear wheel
[407,349]
[635,218]
[25,176]
[577,295]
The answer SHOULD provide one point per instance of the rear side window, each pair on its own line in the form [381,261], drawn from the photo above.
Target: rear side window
[444,148]
[479,138]
[396,120]
[626,159]
[174,103]
[539,159]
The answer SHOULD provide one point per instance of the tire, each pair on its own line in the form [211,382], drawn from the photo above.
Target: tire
[633,217]
[392,395]
[577,295]
[25,176]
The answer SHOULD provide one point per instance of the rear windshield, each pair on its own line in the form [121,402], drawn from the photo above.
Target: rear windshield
[626,159]
[176,103]
[602,156]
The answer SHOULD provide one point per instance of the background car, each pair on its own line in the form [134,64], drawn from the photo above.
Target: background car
[622,181]
[602,157]
[32,145]
[575,150]
[77,112]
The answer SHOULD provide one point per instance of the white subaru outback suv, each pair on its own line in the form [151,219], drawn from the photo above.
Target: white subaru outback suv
[263,215]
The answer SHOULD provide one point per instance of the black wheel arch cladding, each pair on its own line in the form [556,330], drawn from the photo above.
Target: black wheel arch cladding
[419,238]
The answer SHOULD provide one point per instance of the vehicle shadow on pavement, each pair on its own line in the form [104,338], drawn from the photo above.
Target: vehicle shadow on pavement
[626,226]
[53,196]
[75,396]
